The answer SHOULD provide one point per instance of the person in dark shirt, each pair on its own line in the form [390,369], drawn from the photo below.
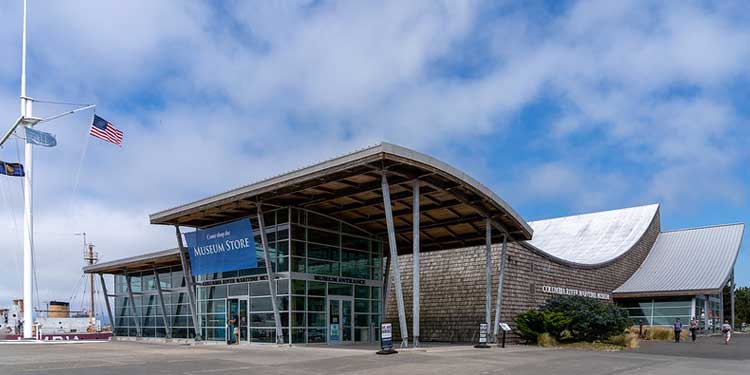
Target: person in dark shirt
[234,329]
[677,330]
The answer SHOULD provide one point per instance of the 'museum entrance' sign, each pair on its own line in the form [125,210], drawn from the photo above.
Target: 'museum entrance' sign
[225,247]
[574,292]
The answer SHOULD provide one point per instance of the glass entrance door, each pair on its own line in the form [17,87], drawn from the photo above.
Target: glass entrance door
[340,327]
[237,329]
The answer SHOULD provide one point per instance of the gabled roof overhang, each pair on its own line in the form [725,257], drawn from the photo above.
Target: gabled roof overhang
[453,205]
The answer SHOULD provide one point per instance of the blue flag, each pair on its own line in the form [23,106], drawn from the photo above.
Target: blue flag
[39,138]
[11,169]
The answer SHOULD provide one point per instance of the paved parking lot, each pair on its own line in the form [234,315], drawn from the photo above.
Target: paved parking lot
[139,358]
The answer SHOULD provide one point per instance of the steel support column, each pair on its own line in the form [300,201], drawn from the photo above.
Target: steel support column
[488,271]
[721,305]
[271,277]
[732,298]
[415,261]
[167,326]
[394,262]
[188,272]
[106,303]
[133,310]
[501,277]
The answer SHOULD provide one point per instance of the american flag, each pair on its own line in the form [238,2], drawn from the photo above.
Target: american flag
[103,130]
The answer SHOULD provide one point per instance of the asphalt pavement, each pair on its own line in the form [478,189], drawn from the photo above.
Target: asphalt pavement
[659,358]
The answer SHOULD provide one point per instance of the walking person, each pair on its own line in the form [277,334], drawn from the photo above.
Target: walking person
[726,329]
[677,330]
[693,327]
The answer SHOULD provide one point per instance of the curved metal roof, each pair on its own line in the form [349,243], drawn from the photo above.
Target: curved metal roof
[594,238]
[688,261]
[453,205]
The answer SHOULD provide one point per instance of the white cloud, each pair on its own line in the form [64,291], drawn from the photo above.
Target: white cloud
[212,98]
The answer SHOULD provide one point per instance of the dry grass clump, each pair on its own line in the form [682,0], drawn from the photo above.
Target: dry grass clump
[665,334]
[546,340]
[626,340]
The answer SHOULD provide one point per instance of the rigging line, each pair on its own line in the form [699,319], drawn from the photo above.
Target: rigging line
[77,178]
[75,289]
[59,102]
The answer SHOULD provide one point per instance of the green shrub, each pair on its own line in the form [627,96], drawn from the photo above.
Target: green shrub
[530,325]
[590,319]
[555,323]
[533,323]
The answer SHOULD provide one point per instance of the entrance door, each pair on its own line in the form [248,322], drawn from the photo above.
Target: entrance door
[340,320]
[237,308]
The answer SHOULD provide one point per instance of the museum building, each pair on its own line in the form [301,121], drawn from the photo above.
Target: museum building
[338,244]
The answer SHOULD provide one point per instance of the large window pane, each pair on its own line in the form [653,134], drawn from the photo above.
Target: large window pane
[316,288]
[319,221]
[298,287]
[259,288]
[316,319]
[261,304]
[355,243]
[322,267]
[322,237]
[262,320]
[316,304]
[322,252]
[339,289]
[238,289]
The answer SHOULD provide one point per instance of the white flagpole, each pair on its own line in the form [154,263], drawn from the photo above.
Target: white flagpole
[28,221]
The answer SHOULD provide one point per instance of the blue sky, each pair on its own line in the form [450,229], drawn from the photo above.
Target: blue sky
[560,107]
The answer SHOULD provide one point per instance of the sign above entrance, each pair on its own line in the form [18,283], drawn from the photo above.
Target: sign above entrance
[225,247]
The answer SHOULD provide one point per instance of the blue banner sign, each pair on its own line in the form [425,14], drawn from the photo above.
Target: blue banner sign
[225,247]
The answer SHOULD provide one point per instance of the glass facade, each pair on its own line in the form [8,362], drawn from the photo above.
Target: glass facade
[664,311]
[147,306]
[318,261]
[714,312]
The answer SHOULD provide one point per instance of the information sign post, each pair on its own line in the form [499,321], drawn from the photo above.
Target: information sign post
[482,336]
[506,328]
[386,339]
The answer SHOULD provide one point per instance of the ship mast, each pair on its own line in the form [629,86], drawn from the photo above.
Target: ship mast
[91,257]
[27,121]
[28,220]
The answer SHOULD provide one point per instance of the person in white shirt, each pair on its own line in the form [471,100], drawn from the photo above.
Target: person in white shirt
[726,329]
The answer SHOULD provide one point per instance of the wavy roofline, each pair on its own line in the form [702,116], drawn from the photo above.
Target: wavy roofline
[580,265]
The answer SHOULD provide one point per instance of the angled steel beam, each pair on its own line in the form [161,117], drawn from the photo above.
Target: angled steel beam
[488,272]
[271,276]
[188,273]
[167,326]
[501,277]
[394,262]
[386,287]
[106,303]
[133,310]
[732,298]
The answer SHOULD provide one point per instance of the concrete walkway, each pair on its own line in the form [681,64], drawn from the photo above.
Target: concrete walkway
[139,358]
